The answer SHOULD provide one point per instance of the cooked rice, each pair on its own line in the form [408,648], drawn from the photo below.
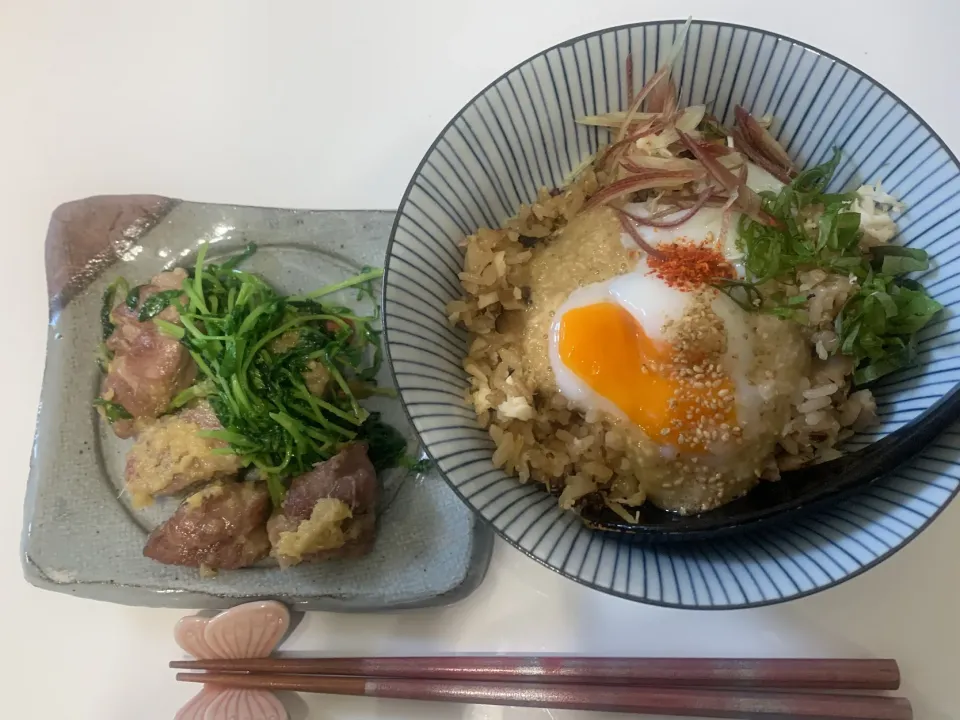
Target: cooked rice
[585,457]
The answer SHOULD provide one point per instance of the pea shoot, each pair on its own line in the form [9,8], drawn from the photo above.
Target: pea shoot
[284,374]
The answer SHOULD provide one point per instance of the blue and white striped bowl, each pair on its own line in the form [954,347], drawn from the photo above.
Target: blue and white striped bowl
[519,134]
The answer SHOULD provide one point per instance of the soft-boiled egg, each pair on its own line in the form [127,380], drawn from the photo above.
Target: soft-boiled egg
[609,352]
[707,222]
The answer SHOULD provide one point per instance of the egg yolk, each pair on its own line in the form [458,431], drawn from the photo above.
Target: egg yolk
[605,346]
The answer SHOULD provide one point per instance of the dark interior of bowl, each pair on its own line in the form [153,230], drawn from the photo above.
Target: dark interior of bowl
[796,491]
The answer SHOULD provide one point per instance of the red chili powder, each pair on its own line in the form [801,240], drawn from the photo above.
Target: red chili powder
[686,265]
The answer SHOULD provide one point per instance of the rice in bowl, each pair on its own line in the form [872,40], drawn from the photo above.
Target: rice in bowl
[767,362]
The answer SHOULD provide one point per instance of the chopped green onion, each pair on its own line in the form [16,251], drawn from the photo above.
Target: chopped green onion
[878,324]
[899,260]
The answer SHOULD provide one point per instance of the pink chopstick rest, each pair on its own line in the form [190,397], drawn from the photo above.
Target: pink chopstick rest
[252,630]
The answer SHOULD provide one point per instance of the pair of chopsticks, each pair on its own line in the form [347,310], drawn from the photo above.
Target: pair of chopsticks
[750,689]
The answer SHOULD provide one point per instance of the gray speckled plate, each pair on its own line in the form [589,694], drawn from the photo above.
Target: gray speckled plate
[80,535]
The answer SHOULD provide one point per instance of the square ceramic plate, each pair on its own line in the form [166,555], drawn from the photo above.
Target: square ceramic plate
[82,537]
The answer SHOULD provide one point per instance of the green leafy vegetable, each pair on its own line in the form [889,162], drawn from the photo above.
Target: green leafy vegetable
[133,297]
[112,411]
[200,390]
[283,374]
[816,229]
[157,303]
[386,447]
[103,356]
[117,288]
[363,281]
[240,258]
[810,184]
[742,292]
[416,466]
[169,328]
[899,260]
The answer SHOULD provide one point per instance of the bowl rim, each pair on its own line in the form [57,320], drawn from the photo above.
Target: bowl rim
[947,409]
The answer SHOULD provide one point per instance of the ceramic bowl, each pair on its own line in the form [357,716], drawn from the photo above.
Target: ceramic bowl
[519,134]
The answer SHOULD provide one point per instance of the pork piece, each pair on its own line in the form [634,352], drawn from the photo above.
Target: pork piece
[170,456]
[329,512]
[221,527]
[148,368]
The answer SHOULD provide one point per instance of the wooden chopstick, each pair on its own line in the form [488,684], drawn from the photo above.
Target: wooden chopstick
[781,674]
[676,702]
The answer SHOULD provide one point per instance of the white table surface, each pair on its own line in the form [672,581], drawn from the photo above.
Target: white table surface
[248,102]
